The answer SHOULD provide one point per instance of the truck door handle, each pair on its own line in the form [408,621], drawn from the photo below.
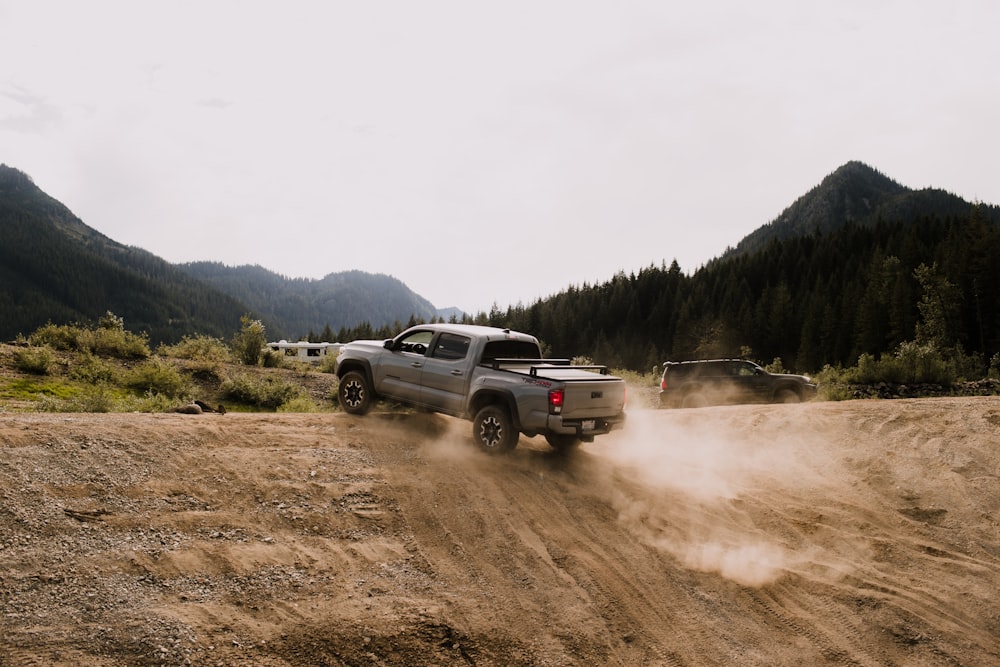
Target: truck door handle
[456,372]
[416,364]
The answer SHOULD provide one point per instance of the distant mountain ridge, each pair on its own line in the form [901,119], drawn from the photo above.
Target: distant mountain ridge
[857,193]
[302,305]
[54,268]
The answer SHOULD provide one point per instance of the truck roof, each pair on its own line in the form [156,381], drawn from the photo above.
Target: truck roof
[477,330]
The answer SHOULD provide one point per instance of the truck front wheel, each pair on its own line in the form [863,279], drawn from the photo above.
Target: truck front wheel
[354,393]
[493,430]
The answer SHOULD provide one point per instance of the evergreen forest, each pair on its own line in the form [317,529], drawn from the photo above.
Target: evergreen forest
[860,265]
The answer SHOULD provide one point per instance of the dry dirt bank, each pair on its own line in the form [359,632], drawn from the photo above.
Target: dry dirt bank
[853,533]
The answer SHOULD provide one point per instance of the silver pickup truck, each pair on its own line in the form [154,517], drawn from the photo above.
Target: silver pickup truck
[494,377]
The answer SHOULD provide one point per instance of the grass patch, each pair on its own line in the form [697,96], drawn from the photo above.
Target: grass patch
[30,389]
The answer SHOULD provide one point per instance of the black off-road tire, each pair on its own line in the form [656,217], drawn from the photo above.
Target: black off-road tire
[493,430]
[354,393]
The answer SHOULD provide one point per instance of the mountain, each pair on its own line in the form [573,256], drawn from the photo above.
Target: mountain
[856,193]
[54,268]
[297,306]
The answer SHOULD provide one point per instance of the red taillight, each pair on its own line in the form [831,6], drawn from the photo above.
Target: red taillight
[556,399]
[663,383]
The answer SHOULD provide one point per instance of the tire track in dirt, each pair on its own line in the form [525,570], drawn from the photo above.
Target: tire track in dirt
[520,529]
[857,533]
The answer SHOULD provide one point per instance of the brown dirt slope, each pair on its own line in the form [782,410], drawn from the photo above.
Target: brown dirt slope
[853,533]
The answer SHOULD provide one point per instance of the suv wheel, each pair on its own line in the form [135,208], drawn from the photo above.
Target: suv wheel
[354,393]
[493,430]
[786,396]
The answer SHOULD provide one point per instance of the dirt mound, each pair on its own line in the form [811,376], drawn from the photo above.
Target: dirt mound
[853,533]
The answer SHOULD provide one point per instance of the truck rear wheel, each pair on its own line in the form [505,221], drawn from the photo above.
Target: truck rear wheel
[493,430]
[354,394]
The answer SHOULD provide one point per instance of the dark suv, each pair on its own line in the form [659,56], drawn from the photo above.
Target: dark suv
[693,384]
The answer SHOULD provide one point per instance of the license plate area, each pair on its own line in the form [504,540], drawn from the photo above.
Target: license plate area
[587,425]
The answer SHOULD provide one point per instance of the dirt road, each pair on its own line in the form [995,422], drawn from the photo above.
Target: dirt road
[853,533]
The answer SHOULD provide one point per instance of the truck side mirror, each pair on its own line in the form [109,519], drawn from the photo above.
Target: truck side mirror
[388,344]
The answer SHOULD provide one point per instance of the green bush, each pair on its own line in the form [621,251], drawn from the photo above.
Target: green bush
[299,404]
[58,337]
[37,360]
[265,392]
[911,363]
[776,367]
[834,384]
[119,344]
[88,368]
[248,343]
[327,364]
[271,359]
[197,348]
[156,377]
[109,338]
[918,364]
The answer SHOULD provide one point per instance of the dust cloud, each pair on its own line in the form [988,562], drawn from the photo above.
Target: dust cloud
[685,490]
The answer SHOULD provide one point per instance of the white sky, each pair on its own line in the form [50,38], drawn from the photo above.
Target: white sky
[484,152]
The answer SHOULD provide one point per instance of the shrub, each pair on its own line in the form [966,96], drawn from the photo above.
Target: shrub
[299,404]
[834,384]
[88,368]
[271,359]
[37,361]
[157,377]
[109,338]
[776,367]
[119,343]
[327,364]
[248,343]
[917,363]
[58,337]
[197,348]
[265,392]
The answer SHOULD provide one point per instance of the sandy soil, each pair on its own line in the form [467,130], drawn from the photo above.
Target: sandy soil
[852,533]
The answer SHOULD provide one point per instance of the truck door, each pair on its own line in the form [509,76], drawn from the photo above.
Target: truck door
[446,373]
[400,371]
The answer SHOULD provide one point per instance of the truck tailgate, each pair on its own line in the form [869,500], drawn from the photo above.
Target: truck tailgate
[586,399]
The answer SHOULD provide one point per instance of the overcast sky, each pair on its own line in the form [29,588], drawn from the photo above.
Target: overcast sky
[484,152]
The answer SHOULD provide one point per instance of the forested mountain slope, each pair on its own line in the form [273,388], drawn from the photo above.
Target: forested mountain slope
[298,306]
[849,269]
[854,193]
[55,268]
